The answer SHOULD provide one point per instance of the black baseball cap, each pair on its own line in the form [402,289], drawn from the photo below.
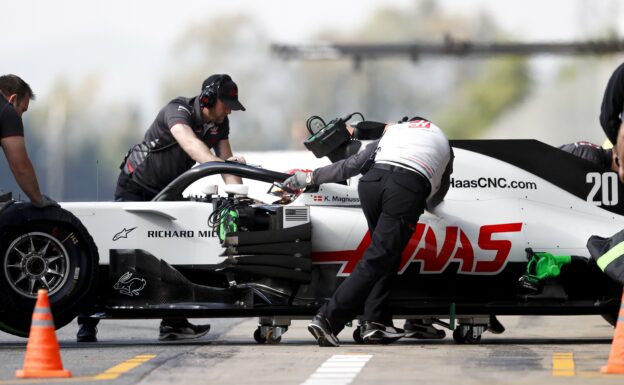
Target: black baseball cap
[227,90]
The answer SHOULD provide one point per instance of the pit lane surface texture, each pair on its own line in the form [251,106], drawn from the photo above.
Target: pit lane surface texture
[533,350]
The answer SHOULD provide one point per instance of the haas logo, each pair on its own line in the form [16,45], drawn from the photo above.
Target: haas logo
[128,285]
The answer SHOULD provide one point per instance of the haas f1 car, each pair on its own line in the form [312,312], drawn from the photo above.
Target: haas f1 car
[509,239]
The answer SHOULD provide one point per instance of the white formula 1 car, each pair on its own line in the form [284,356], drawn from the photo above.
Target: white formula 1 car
[509,239]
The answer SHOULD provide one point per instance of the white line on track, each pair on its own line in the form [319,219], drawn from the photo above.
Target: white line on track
[340,369]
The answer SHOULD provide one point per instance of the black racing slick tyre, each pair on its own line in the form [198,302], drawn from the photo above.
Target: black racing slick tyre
[44,249]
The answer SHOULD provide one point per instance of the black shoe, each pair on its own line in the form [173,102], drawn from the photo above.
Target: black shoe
[418,328]
[184,331]
[87,333]
[320,329]
[376,333]
[495,326]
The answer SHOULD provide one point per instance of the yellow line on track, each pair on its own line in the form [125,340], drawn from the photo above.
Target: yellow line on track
[563,365]
[124,367]
[109,374]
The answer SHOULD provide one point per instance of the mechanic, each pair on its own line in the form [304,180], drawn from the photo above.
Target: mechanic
[619,154]
[404,172]
[183,133]
[609,252]
[15,97]
[613,104]
[602,157]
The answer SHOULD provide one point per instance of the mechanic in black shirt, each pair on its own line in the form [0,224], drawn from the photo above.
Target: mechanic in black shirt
[411,168]
[183,133]
[613,105]
[15,96]
[607,252]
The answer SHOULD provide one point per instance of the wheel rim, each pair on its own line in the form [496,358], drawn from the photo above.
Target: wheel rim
[36,261]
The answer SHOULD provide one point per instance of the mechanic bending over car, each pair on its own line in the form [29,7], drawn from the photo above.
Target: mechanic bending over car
[404,172]
[15,96]
[183,133]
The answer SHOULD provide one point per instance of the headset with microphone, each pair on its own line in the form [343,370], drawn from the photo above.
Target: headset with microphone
[210,93]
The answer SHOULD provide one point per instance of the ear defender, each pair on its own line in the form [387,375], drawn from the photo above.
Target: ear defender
[210,93]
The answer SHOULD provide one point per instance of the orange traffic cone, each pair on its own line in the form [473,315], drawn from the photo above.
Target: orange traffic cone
[43,357]
[616,357]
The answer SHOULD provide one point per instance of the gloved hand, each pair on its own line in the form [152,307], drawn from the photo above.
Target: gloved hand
[299,180]
[237,158]
[45,202]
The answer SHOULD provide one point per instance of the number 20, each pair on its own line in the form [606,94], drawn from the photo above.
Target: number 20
[609,183]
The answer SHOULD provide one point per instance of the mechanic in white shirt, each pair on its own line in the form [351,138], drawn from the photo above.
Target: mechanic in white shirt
[411,167]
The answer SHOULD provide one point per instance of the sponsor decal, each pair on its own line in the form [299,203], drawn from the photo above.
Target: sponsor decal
[335,198]
[72,238]
[419,124]
[129,285]
[343,199]
[213,129]
[423,248]
[122,234]
[499,182]
[606,184]
[182,233]
[297,214]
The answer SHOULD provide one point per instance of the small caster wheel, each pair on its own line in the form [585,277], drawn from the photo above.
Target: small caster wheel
[271,339]
[463,335]
[258,336]
[471,339]
[357,335]
[458,336]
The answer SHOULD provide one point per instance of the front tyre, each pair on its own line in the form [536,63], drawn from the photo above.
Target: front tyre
[44,249]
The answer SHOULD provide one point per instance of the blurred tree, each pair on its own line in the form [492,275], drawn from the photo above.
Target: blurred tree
[464,96]
[280,95]
[481,100]
[78,140]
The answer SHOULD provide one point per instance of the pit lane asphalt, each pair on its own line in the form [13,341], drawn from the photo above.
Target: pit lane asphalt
[532,350]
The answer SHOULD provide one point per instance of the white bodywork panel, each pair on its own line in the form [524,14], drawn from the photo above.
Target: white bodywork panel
[492,208]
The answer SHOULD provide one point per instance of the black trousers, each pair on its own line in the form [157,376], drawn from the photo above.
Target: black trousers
[392,202]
